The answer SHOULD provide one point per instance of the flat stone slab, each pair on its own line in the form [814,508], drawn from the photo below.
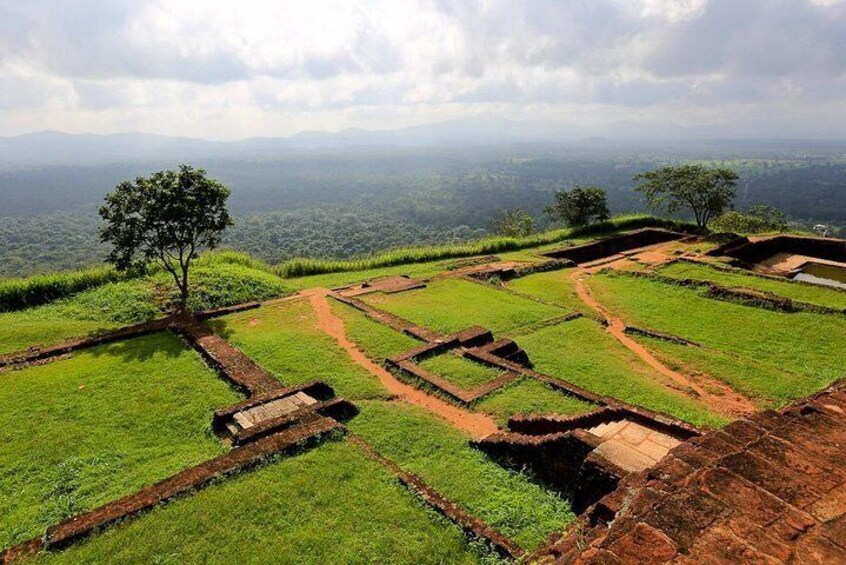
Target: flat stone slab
[632,446]
[273,409]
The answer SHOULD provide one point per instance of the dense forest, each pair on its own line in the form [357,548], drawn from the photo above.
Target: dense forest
[351,203]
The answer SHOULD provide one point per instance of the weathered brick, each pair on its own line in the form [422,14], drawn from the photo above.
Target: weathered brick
[645,545]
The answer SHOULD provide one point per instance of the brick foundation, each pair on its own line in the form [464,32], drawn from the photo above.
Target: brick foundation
[769,489]
[451,510]
[614,245]
[191,479]
[225,358]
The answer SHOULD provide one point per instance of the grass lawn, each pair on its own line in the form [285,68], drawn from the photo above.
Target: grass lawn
[334,280]
[753,379]
[80,432]
[580,352]
[802,292]
[118,304]
[528,396]
[328,505]
[284,339]
[376,340]
[101,308]
[458,370]
[440,455]
[554,287]
[451,305]
[224,284]
[805,344]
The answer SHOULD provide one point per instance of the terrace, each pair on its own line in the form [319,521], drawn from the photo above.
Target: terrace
[399,417]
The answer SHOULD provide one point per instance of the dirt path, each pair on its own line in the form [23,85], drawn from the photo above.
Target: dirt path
[477,425]
[724,400]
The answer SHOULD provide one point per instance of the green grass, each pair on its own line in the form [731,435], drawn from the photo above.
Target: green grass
[802,292]
[284,339]
[451,305]
[458,370]
[554,287]
[806,344]
[41,289]
[328,505]
[215,283]
[528,396]
[580,352]
[753,379]
[376,340]
[303,267]
[441,456]
[346,278]
[224,284]
[77,433]
[102,308]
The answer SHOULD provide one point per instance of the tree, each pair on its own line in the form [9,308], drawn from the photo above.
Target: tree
[706,192]
[757,219]
[580,206]
[512,222]
[168,217]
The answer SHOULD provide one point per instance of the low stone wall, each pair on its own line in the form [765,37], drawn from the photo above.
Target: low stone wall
[613,245]
[451,510]
[751,252]
[225,358]
[85,524]
[21,358]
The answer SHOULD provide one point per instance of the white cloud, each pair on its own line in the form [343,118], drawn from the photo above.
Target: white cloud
[262,67]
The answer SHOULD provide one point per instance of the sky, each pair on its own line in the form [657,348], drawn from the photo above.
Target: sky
[231,70]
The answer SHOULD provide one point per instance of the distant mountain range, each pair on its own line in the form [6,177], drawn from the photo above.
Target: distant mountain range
[52,147]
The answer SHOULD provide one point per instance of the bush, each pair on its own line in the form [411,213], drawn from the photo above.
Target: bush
[306,267]
[16,294]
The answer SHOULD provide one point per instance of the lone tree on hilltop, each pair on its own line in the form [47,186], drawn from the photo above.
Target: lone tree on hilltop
[706,192]
[580,206]
[512,223]
[168,217]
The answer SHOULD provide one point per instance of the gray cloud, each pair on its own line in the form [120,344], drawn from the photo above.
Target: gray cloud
[254,63]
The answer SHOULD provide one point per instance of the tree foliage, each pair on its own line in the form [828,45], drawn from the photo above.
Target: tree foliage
[580,206]
[757,219]
[168,217]
[512,222]
[706,192]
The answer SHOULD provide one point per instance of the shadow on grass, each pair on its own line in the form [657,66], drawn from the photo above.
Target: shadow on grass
[142,347]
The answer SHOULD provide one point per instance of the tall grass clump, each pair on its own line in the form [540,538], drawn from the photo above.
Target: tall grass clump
[16,294]
[300,267]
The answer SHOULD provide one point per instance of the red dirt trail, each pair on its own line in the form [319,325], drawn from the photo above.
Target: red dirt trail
[726,401]
[477,425]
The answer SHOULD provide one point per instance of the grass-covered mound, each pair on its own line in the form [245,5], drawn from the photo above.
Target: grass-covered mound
[218,281]
[328,505]
[80,432]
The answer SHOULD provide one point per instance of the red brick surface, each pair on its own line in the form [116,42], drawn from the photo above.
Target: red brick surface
[770,489]
[227,359]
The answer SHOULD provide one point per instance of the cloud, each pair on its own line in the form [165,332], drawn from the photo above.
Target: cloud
[260,67]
